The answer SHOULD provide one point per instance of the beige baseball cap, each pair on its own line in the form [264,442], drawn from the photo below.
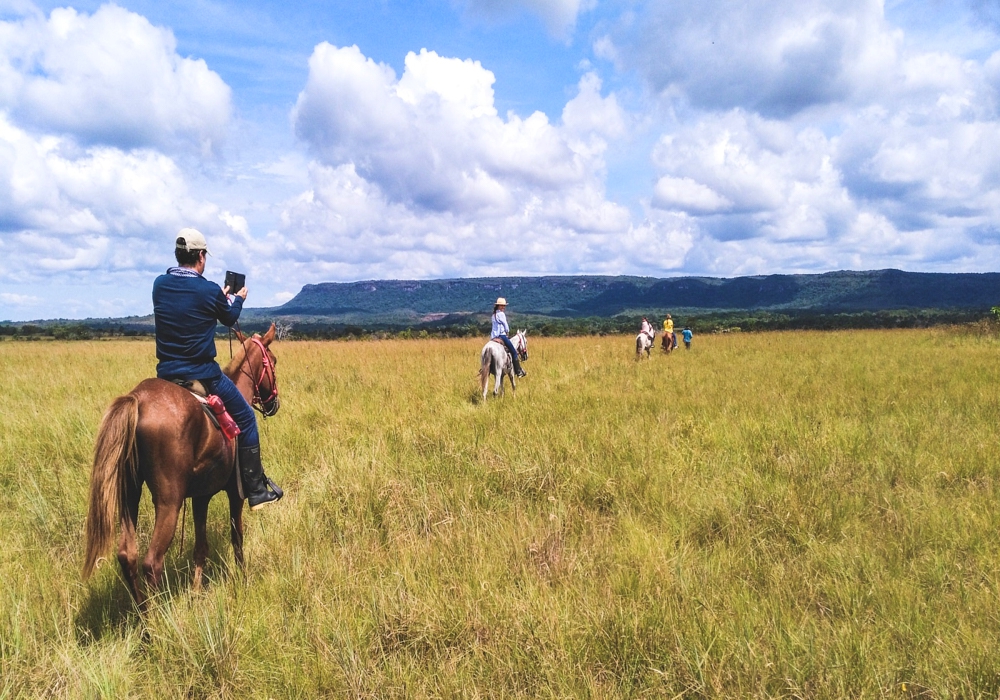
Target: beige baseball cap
[501,301]
[191,239]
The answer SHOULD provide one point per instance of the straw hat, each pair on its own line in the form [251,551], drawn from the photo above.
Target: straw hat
[501,301]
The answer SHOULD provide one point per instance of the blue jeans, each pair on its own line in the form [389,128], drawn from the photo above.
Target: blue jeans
[510,345]
[513,354]
[238,408]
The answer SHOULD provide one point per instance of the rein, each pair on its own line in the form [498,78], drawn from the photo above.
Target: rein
[267,370]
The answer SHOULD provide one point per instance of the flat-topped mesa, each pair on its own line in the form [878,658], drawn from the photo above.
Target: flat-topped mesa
[582,296]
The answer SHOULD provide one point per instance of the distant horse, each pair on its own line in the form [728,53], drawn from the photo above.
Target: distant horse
[643,344]
[667,342]
[158,434]
[494,359]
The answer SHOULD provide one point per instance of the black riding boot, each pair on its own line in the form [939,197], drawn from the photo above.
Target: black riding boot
[255,483]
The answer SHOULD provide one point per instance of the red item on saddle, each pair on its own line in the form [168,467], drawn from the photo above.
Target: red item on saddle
[226,422]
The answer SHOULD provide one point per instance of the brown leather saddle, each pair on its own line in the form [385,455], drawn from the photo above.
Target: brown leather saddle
[199,391]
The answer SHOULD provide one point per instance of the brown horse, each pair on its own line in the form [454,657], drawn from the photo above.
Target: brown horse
[667,342]
[158,434]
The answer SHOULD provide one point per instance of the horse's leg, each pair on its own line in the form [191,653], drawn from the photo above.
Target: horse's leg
[236,526]
[199,508]
[128,554]
[484,375]
[163,535]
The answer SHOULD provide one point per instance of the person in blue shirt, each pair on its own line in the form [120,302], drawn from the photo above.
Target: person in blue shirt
[186,309]
[687,338]
[501,330]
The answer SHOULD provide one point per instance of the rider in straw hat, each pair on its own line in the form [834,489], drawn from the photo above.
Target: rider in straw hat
[501,330]
[186,307]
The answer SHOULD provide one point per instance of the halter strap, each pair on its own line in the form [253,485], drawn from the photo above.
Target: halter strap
[266,370]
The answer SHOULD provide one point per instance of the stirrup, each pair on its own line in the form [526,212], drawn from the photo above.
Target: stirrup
[274,487]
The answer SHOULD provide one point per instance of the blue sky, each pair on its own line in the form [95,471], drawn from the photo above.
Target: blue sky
[339,141]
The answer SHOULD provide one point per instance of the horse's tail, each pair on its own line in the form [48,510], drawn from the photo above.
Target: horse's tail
[484,368]
[115,461]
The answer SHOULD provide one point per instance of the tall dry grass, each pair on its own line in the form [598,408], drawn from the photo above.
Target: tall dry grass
[786,514]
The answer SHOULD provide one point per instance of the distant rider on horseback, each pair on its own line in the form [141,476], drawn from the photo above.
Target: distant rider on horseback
[501,330]
[186,308]
[647,329]
[668,333]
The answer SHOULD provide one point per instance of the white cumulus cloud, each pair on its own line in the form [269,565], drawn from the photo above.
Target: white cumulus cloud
[776,57]
[109,78]
[97,114]
[811,136]
[65,208]
[433,138]
[421,176]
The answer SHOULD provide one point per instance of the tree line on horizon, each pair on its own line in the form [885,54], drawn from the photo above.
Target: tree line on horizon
[478,326]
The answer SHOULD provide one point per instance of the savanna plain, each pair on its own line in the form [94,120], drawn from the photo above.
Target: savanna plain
[794,514]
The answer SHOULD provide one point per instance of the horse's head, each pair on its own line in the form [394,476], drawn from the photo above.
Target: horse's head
[522,344]
[262,364]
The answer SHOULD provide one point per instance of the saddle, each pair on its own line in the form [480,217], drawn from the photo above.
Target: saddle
[213,407]
[192,385]
[503,345]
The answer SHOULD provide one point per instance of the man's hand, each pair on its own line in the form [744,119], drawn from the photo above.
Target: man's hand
[242,294]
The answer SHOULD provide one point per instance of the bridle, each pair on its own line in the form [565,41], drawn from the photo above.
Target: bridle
[522,349]
[269,405]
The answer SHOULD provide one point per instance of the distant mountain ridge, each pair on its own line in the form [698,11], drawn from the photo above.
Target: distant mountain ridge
[451,303]
[587,296]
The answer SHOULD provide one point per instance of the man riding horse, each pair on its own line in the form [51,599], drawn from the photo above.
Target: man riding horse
[186,308]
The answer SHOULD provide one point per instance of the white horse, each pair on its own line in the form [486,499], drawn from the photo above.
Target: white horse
[495,360]
[643,344]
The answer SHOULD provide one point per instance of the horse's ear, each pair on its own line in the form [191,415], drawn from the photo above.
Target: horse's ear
[269,336]
[240,337]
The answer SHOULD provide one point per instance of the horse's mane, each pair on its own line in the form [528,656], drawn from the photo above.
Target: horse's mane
[238,357]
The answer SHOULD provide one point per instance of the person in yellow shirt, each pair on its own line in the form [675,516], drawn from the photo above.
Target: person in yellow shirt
[668,334]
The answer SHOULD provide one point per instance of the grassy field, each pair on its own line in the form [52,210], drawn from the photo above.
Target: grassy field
[783,514]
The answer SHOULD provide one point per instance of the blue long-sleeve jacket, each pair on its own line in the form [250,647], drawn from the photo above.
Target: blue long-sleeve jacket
[186,310]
